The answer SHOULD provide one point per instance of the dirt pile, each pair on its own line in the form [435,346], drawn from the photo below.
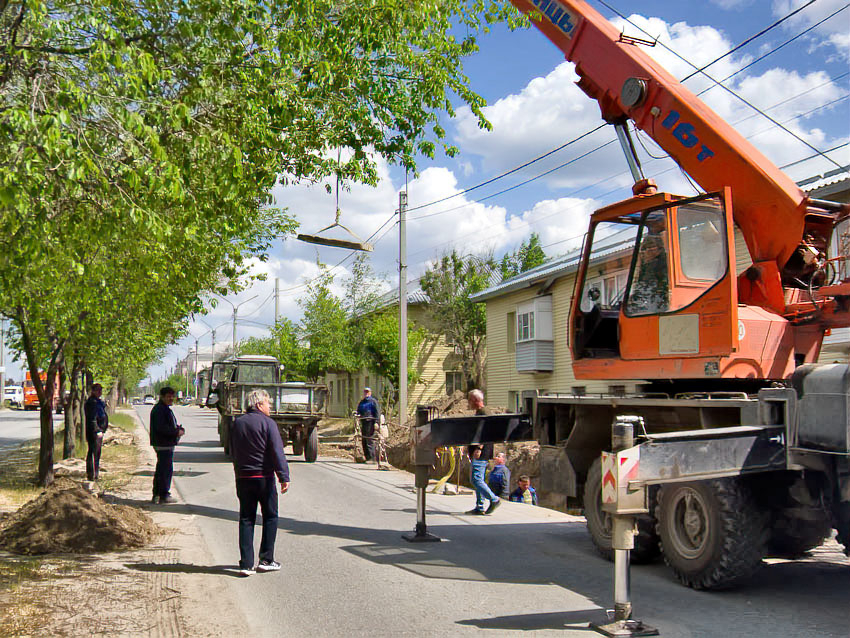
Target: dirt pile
[66,518]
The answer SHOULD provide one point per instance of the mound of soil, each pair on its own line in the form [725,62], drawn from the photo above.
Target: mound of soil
[66,518]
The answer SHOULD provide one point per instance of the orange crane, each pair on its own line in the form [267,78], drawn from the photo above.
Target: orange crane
[742,442]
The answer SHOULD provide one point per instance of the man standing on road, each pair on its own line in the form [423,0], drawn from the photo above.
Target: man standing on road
[257,452]
[478,459]
[96,424]
[369,412]
[165,433]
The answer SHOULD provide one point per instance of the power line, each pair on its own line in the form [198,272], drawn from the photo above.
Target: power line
[722,86]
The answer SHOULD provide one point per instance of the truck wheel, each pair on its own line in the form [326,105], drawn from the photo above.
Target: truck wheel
[800,521]
[713,534]
[311,445]
[646,547]
[224,432]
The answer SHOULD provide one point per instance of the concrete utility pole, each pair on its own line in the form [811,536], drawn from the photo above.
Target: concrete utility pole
[196,369]
[276,298]
[2,358]
[235,313]
[402,308]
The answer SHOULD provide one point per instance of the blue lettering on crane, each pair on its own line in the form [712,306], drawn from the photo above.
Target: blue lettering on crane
[685,134]
[557,15]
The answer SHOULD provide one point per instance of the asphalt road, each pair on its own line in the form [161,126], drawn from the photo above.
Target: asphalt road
[17,426]
[522,571]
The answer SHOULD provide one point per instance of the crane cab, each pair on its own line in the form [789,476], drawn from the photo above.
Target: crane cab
[656,291]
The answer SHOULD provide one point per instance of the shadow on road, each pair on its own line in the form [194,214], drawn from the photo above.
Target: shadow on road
[186,568]
[572,620]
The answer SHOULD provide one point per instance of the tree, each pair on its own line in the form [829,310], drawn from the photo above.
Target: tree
[529,255]
[140,142]
[381,345]
[283,344]
[325,328]
[449,284]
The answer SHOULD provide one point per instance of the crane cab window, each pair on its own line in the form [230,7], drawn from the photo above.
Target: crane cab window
[650,290]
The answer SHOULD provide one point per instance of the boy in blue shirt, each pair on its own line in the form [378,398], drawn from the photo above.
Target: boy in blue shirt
[524,493]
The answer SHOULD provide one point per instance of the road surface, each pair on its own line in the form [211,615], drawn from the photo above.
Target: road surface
[522,571]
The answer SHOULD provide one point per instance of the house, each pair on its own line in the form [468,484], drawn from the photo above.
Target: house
[436,362]
[527,315]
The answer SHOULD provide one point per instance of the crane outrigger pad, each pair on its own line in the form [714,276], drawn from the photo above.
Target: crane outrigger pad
[468,430]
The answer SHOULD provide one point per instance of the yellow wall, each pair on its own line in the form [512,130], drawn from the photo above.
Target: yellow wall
[432,362]
[502,376]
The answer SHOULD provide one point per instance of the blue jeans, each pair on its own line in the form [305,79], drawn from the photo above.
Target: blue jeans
[253,491]
[163,472]
[482,491]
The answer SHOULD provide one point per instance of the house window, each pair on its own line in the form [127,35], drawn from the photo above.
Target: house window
[454,382]
[525,326]
[511,332]
[579,390]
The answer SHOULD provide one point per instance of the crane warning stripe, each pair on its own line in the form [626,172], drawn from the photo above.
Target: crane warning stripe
[609,477]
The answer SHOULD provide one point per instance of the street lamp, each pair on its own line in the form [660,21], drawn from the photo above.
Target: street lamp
[235,311]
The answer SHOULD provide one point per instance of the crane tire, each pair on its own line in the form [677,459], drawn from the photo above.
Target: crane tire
[646,548]
[713,534]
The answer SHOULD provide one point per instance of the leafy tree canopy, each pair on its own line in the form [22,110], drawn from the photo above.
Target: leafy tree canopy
[529,255]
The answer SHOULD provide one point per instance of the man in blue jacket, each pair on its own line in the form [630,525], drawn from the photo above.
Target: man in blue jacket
[257,452]
[96,424]
[369,412]
[500,477]
[165,433]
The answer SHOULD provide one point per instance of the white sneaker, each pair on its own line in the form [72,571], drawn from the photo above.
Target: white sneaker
[247,572]
[268,566]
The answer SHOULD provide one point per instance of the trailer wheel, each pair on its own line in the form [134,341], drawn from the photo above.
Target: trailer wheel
[311,445]
[298,443]
[224,432]
[713,534]
[646,547]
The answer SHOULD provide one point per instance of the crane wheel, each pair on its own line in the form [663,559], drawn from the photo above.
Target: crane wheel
[599,523]
[800,522]
[713,534]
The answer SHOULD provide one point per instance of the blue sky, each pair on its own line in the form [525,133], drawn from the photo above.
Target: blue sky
[534,107]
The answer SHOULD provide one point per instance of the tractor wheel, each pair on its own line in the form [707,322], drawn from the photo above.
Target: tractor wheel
[224,423]
[298,442]
[311,445]
[646,547]
[713,534]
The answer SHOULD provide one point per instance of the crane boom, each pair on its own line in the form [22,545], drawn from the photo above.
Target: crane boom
[769,207]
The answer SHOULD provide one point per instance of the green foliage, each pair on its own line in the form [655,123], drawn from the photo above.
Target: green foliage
[283,344]
[529,255]
[176,381]
[140,141]
[325,331]
[449,285]
[381,342]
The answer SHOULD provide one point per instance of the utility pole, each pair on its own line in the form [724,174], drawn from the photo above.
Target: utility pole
[196,370]
[2,357]
[402,308]
[276,298]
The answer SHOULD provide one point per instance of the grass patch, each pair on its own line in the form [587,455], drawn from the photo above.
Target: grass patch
[123,420]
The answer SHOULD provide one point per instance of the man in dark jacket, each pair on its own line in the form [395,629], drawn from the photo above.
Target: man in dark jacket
[257,452]
[165,433]
[369,412]
[96,423]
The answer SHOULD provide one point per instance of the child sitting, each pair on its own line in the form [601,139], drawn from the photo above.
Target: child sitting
[524,493]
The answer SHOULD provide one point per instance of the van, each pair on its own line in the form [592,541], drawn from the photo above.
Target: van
[13,395]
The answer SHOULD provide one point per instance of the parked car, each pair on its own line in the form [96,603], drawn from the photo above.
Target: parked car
[149,399]
[137,400]
[14,396]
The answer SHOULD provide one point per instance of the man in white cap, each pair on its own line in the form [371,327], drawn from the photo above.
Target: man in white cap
[369,412]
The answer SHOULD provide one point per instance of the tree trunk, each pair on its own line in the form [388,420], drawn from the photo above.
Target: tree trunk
[112,399]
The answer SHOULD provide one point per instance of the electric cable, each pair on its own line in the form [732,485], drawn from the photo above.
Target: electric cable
[717,83]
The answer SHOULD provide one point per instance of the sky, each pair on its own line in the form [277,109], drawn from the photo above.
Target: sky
[535,107]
